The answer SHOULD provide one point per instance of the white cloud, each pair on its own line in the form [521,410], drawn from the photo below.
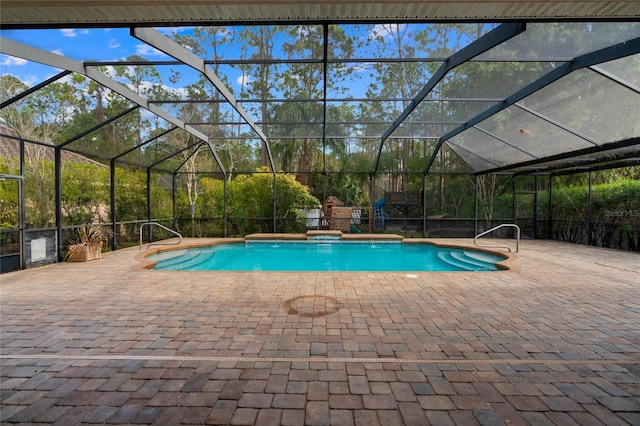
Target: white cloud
[385,30]
[9,61]
[146,87]
[146,50]
[361,68]
[244,80]
[27,80]
[58,52]
[147,115]
[69,32]
[170,31]
[180,92]
[66,79]
[30,80]
[113,43]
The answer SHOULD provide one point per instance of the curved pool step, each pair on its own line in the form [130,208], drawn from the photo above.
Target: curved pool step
[171,258]
[483,257]
[462,261]
[446,257]
[186,260]
[204,257]
[469,258]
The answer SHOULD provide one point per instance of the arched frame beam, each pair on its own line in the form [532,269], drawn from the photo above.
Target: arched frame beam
[13,48]
[488,41]
[620,50]
[173,49]
[34,88]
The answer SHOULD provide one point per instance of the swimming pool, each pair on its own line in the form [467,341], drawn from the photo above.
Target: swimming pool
[325,256]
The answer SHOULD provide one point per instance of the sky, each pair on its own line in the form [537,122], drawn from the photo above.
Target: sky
[113,44]
[116,44]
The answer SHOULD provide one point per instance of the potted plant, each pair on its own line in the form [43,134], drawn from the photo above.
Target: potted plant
[88,245]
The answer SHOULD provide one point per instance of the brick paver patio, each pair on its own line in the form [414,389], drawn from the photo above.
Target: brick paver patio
[555,340]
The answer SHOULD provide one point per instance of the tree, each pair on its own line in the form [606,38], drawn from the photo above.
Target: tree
[212,43]
[39,117]
[42,115]
[146,81]
[96,104]
[300,123]
[85,193]
[259,79]
[489,187]
[250,202]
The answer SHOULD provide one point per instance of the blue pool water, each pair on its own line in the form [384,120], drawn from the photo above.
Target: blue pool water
[325,256]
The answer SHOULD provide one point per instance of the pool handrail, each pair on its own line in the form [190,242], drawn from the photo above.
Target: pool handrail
[512,225]
[163,227]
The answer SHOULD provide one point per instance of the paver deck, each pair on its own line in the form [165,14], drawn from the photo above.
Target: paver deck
[553,340]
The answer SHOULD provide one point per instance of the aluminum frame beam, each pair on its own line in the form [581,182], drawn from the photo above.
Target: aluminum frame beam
[158,136]
[620,50]
[504,141]
[455,147]
[173,49]
[98,126]
[185,160]
[20,50]
[556,123]
[630,162]
[165,158]
[488,41]
[540,116]
[319,100]
[615,78]
[566,155]
[34,89]
[591,164]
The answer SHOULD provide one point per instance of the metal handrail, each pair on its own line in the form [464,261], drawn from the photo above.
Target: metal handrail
[163,227]
[511,225]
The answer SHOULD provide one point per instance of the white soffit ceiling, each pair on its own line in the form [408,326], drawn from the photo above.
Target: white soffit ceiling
[17,13]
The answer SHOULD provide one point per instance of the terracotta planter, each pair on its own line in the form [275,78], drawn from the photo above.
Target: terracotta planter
[84,252]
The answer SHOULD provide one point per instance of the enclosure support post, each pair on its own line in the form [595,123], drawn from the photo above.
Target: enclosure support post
[589,218]
[58,192]
[149,201]
[550,225]
[275,207]
[224,214]
[325,194]
[21,205]
[325,54]
[535,208]
[112,177]
[372,199]
[149,194]
[515,198]
[173,200]
[475,222]
[424,206]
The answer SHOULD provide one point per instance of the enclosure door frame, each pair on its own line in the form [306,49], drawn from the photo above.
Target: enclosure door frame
[21,218]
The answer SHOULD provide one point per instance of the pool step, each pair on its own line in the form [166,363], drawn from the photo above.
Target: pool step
[470,258]
[171,258]
[446,257]
[483,257]
[187,260]
[464,261]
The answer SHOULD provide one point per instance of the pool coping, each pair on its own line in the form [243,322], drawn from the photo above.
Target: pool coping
[145,264]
